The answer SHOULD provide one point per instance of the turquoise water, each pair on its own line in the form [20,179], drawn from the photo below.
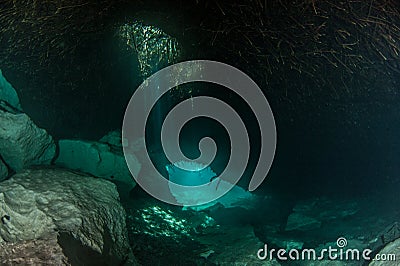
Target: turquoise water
[329,71]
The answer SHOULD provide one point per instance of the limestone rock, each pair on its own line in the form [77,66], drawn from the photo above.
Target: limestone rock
[390,255]
[3,170]
[8,93]
[194,174]
[22,143]
[98,159]
[387,235]
[84,210]
[6,107]
[113,138]
[45,251]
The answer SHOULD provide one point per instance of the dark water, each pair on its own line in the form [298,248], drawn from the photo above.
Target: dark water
[337,151]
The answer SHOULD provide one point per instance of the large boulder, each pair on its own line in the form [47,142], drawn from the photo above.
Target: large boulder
[85,211]
[8,94]
[99,159]
[22,143]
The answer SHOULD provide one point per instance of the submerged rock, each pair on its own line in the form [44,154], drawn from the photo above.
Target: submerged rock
[325,209]
[99,159]
[196,174]
[46,251]
[8,93]
[84,210]
[3,170]
[22,143]
[301,222]
[389,255]
[164,234]
[113,138]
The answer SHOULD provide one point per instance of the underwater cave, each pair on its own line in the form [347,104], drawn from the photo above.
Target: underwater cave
[260,132]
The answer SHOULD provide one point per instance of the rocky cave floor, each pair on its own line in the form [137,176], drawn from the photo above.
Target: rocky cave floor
[161,233]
